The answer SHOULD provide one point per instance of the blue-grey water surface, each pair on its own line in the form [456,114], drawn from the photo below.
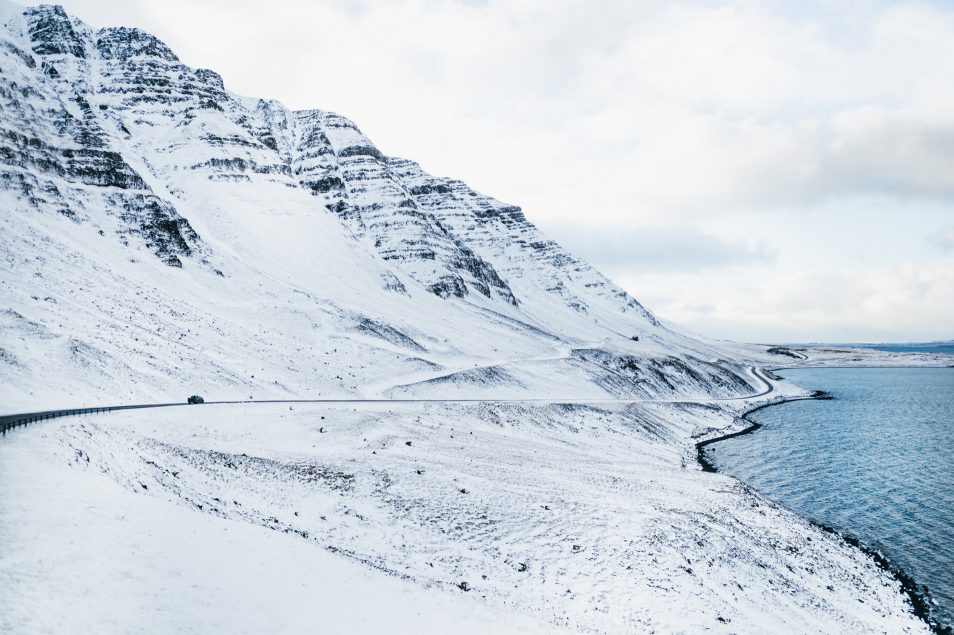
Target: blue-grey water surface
[877,462]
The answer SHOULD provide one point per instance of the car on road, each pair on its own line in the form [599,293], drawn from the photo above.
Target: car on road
[195,399]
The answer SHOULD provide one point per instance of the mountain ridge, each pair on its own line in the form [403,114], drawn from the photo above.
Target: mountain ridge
[106,129]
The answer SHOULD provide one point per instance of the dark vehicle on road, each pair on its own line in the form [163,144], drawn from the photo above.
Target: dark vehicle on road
[194,399]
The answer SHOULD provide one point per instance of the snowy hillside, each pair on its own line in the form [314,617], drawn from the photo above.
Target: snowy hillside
[161,236]
[164,235]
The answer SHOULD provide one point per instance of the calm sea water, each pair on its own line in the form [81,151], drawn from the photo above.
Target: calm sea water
[877,462]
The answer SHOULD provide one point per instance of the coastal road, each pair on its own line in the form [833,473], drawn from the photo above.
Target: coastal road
[759,374]
[10,421]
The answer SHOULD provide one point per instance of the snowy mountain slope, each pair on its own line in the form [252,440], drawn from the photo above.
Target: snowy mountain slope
[162,235]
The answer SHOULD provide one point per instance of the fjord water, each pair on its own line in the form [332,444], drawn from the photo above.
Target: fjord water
[874,462]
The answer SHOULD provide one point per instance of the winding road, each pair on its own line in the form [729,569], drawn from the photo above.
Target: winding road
[10,421]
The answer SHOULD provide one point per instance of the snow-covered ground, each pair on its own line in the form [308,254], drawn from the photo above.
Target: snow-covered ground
[376,517]
[81,554]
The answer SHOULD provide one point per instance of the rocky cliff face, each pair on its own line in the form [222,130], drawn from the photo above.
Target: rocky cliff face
[55,152]
[124,83]
[106,136]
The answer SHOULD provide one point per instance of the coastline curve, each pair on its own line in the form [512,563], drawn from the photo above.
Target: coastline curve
[918,595]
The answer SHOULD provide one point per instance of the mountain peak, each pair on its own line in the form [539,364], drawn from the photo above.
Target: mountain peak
[51,31]
[122,43]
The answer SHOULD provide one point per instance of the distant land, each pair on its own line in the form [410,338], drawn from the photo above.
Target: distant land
[944,347]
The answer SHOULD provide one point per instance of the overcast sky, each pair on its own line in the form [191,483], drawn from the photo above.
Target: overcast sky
[759,171]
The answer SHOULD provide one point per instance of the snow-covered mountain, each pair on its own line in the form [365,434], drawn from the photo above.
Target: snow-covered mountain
[163,235]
